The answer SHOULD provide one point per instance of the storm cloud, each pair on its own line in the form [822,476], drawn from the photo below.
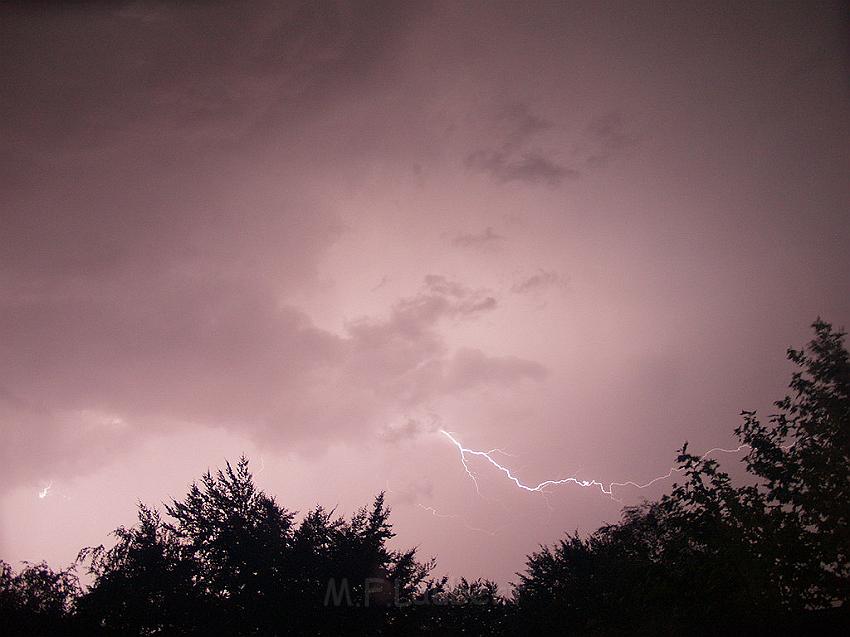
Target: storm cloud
[319,232]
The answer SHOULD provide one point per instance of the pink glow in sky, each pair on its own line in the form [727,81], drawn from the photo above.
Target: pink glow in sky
[319,233]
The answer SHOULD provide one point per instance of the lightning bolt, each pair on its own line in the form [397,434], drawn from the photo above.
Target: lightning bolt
[452,516]
[607,489]
[447,516]
[43,493]
[50,491]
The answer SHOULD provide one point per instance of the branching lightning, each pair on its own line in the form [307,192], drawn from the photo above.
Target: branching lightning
[607,489]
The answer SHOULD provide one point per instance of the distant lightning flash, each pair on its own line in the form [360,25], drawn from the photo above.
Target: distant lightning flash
[43,493]
[448,516]
[607,489]
[50,491]
[452,516]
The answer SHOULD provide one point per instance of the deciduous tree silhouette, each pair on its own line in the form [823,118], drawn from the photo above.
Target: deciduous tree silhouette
[710,553]
[230,560]
[37,600]
[146,583]
[802,455]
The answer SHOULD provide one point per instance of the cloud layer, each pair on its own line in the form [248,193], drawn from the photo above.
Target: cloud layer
[318,232]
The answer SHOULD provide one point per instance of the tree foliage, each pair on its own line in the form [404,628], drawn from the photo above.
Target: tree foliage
[802,455]
[230,559]
[711,553]
[37,599]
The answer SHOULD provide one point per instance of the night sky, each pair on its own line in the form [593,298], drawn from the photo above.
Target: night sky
[319,233]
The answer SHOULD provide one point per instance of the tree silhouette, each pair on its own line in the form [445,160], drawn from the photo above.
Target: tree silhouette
[711,554]
[230,560]
[236,539]
[144,584]
[37,600]
[802,456]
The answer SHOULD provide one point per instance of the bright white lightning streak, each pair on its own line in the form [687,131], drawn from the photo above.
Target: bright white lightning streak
[45,491]
[539,488]
[50,491]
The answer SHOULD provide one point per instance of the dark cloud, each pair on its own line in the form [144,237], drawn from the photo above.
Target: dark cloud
[514,160]
[409,428]
[67,442]
[542,280]
[482,239]
[209,73]
[608,138]
[384,280]
[520,123]
[194,348]
[528,167]
[197,198]
[468,300]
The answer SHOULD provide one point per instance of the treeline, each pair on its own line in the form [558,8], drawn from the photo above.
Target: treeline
[770,556]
